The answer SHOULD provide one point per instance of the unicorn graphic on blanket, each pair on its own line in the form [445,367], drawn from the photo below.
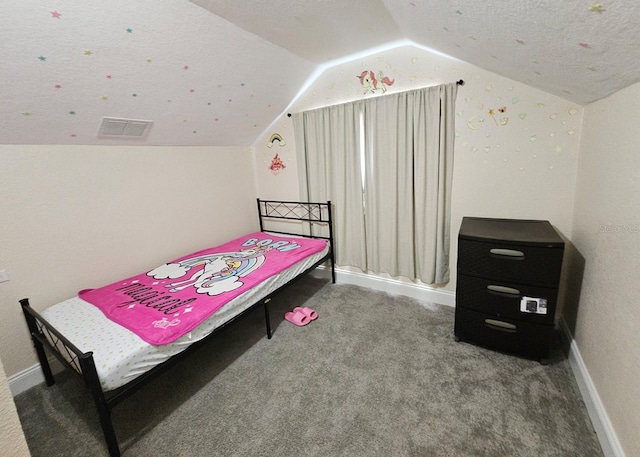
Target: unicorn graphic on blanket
[212,274]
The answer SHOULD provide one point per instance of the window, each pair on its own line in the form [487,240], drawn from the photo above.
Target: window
[386,164]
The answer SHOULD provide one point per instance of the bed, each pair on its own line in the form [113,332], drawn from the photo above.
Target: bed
[115,359]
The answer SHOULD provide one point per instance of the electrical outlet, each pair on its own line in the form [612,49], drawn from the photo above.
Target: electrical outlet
[4,276]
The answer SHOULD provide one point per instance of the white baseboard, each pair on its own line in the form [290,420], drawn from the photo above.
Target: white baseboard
[606,434]
[25,380]
[393,287]
[599,418]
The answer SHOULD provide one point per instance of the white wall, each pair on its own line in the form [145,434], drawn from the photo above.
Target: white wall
[516,150]
[75,217]
[607,235]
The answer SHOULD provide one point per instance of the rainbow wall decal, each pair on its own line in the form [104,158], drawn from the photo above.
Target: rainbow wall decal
[276,137]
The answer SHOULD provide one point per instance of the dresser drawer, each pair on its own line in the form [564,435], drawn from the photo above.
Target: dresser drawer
[504,299]
[510,262]
[506,335]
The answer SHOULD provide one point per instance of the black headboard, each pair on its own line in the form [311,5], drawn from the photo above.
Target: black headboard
[310,212]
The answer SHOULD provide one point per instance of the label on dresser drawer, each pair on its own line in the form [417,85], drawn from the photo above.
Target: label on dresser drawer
[533,305]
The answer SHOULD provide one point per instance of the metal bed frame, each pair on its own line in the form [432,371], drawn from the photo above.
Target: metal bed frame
[45,336]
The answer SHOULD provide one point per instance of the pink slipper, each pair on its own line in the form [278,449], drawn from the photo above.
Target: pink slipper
[310,313]
[297,318]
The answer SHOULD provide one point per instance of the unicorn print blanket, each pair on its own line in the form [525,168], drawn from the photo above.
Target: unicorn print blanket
[169,301]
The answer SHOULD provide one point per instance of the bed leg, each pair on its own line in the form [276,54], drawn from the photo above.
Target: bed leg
[92,380]
[266,317]
[333,252]
[44,363]
[39,347]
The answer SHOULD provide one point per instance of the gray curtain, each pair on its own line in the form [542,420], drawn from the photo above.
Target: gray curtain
[328,149]
[401,212]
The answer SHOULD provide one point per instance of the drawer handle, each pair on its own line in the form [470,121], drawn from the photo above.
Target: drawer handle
[503,290]
[510,254]
[499,325]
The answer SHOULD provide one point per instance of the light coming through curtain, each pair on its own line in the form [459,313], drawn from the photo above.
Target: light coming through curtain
[386,163]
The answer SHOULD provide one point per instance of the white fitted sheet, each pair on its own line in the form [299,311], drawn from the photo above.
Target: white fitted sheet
[121,356]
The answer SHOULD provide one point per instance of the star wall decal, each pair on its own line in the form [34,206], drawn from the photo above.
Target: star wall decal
[42,58]
[597,8]
[55,14]
[88,52]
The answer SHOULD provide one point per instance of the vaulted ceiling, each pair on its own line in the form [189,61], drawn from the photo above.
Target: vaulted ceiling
[218,72]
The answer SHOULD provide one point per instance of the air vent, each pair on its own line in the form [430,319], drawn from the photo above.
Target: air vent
[134,129]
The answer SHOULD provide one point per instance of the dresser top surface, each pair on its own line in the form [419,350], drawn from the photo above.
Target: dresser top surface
[517,231]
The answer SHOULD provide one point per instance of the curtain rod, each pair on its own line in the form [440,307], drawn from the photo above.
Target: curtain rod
[460,82]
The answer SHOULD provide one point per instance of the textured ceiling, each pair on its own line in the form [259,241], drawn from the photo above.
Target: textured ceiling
[217,72]
[579,50]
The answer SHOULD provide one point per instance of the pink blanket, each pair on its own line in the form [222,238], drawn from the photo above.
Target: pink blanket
[172,299]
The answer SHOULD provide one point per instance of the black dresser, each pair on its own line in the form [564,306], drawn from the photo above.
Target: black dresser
[507,285]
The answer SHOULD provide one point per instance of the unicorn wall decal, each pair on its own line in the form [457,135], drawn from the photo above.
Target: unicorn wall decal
[372,84]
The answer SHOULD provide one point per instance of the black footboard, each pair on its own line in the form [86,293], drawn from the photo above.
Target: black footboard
[44,335]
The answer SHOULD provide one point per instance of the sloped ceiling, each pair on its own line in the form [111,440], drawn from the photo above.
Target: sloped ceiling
[217,72]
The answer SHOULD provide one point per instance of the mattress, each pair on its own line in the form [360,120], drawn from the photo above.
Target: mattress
[121,356]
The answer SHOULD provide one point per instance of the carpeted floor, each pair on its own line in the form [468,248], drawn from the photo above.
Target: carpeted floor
[374,375]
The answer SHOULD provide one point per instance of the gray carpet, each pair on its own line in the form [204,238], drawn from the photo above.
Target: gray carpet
[374,375]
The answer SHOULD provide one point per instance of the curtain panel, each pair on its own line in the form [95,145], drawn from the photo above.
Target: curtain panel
[387,164]
[328,148]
